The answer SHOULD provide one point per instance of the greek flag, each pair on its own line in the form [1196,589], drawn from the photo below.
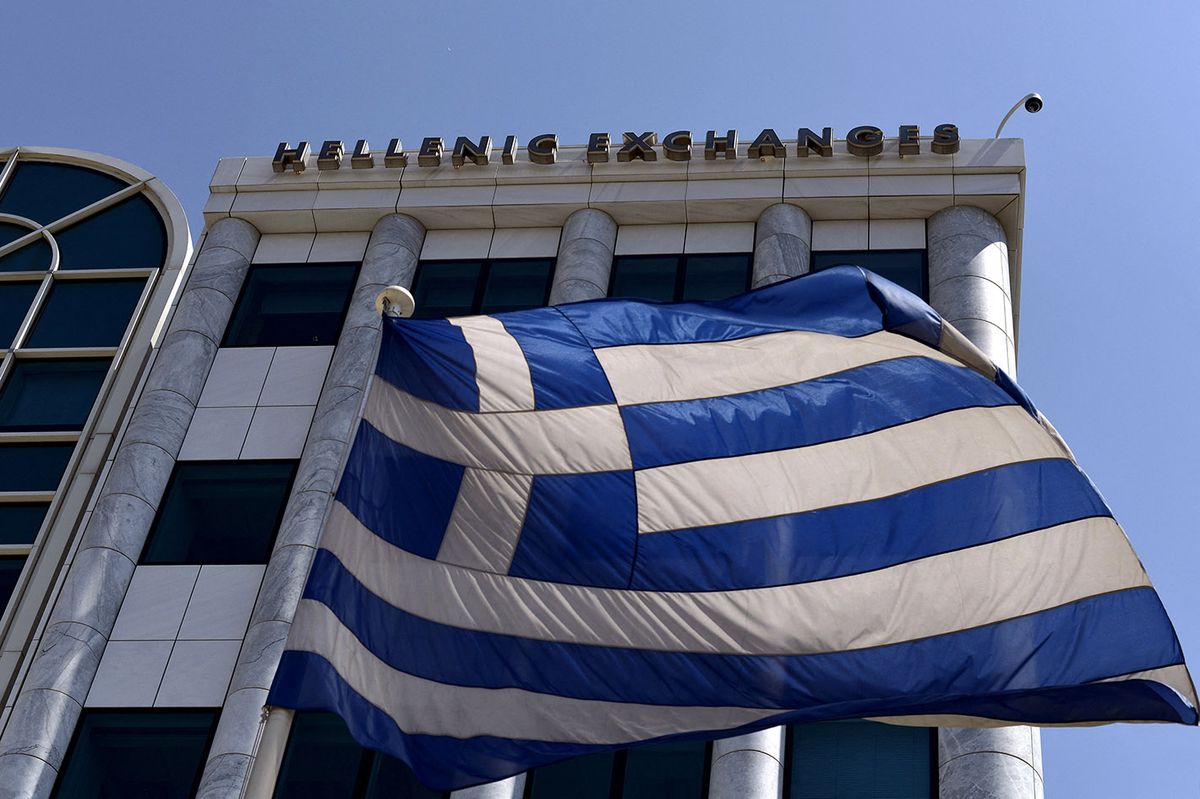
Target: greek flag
[582,527]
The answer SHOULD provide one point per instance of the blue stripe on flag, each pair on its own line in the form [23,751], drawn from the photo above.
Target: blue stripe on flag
[849,539]
[833,301]
[308,682]
[1092,639]
[430,359]
[903,311]
[403,496]
[849,403]
[563,367]
[596,547]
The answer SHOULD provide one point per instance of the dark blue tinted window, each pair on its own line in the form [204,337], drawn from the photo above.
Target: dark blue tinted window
[50,395]
[129,235]
[196,521]
[291,305]
[10,570]
[670,770]
[645,277]
[137,754]
[516,285]
[32,257]
[677,278]
[462,288]
[10,232]
[715,277]
[20,521]
[588,777]
[109,305]
[860,760]
[322,761]
[33,467]
[15,299]
[905,268]
[45,192]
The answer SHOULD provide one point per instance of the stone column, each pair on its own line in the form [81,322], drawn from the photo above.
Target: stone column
[391,259]
[52,695]
[511,788]
[782,244]
[751,766]
[969,287]
[585,256]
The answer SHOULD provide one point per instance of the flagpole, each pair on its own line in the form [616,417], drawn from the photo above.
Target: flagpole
[394,301]
[264,768]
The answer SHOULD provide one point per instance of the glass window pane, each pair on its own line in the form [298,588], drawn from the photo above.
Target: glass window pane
[903,267]
[151,754]
[859,760]
[223,512]
[14,304]
[645,277]
[45,192]
[10,232]
[129,235]
[109,305]
[668,770]
[446,288]
[50,395]
[10,570]
[588,777]
[516,285]
[321,761]
[390,778]
[20,521]
[284,306]
[32,257]
[33,467]
[715,277]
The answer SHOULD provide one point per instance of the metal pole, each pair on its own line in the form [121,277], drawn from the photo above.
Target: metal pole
[264,769]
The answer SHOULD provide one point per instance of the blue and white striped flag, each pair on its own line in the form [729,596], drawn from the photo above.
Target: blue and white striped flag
[582,527]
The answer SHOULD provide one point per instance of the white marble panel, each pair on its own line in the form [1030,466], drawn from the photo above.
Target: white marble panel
[538,205]
[925,162]
[197,674]
[719,237]
[217,206]
[129,674]
[528,242]
[258,174]
[216,434]
[1000,183]
[226,174]
[910,207]
[236,377]
[352,209]
[446,245]
[650,239]
[329,247]
[910,185]
[990,155]
[155,603]
[842,234]
[278,432]
[283,248]
[848,186]
[296,376]
[897,234]
[277,211]
[832,208]
[221,602]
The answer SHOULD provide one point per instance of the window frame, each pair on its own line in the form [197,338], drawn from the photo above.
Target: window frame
[314,265]
[681,268]
[485,274]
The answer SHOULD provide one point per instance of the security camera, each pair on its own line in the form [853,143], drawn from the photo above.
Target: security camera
[1033,103]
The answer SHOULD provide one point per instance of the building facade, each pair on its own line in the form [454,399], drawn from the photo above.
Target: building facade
[151,648]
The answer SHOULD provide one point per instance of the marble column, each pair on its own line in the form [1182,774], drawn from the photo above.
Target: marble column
[969,286]
[782,244]
[391,259]
[751,766]
[52,695]
[511,788]
[585,256]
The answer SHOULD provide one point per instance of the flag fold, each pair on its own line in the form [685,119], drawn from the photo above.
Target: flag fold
[582,527]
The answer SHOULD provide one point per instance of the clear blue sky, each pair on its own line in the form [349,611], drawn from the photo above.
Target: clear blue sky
[1111,280]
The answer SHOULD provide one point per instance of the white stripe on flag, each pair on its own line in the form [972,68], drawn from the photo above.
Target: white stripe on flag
[425,707]
[642,373]
[866,467]
[931,596]
[501,370]
[562,441]
[487,520]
